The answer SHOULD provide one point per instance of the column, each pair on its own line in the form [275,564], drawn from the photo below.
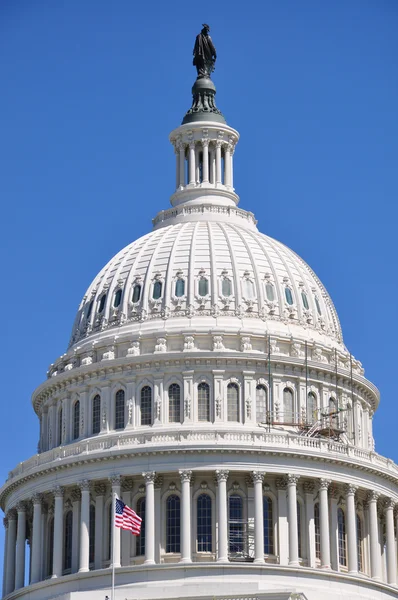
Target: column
[212,175]
[227,165]
[44,431]
[5,523]
[309,488]
[58,530]
[391,550]
[66,421]
[127,486]
[191,164]
[20,551]
[149,518]
[181,148]
[292,514]
[188,410]
[186,516]
[116,482]
[205,170]
[222,477]
[84,527]
[84,411]
[283,534]
[324,523]
[105,402]
[37,540]
[177,153]
[130,404]
[158,534]
[375,564]
[11,541]
[76,511]
[258,478]
[352,542]
[218,162]
[197,164]
[100,489]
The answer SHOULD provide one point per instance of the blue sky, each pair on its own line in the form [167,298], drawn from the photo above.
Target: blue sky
[91,90]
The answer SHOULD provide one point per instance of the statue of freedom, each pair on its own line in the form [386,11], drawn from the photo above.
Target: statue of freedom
[204,53]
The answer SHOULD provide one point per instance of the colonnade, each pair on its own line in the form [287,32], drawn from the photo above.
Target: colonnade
[205,163]
[26,519]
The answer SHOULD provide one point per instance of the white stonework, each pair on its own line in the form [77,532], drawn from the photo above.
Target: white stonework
[207,384]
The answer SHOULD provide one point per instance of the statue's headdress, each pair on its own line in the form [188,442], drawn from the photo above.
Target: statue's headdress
[206,25]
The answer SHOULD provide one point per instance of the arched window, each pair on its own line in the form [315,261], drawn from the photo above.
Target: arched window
[119,410]
[317,527]
[341,537]
[68,540]
[236,541]
[305,300]
[248,289]
[299,528]
[60,419]
[232,402]
[102,303]
[174,403]
[288,296]
[136,293]
[261,404]
[92,534]
[118,298]
[96,414]
[180,288]
[146,405]
[270,292]
[359,543]
[226,287]
[76,420]
[173,524]
[140,541]
[203,286]
[288,411]
[203,402]
[157,290]
[317,305]
[268,526]
[311,408]
[204,525]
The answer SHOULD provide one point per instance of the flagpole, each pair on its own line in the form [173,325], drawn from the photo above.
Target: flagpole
[113,545]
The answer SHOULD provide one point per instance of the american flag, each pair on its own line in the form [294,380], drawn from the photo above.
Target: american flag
[126,518]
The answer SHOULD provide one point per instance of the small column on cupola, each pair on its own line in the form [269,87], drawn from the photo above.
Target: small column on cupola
[204,144]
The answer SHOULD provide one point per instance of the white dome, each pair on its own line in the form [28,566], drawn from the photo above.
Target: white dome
[214,251]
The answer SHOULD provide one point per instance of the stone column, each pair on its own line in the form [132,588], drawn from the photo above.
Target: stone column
[292,515]
[127,486]
[84,412]
[212,153]
[391,550]
[5,523]
[149,477]
[11,542]
[37,540]
[191,163]
[181,148]
[283,535]
[197,164]
[205,171]
[186,516]
[20,550]
[222,477]
[158,519]
[131,404]
[375,564]
[177,153]
[76,496]
[105,408]
[44,435]
[309,488]
[258,478]
[58,530]
[116,482]
[227,161]
[84,527]
[324,523]
[352,541]
[100,489]
[218,162]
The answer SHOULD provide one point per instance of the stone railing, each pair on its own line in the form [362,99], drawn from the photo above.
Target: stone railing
[196,439]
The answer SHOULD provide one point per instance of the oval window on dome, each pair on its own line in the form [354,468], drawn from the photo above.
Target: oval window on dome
[226,287]
[102,303]
[180,288]
[203,287]
[288,296]
[118,298]
[305,300]
[318,306]
[157,290]
[136,293]
[269,290]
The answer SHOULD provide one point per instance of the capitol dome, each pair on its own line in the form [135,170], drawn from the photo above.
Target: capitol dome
[207,386]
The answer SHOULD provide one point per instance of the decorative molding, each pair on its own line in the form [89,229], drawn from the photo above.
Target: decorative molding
[185,475]
[149,476]
[222,475]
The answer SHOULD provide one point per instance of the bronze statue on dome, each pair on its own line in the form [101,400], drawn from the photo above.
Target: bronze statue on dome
[204,53]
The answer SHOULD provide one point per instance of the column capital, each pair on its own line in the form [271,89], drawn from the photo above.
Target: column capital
[76,494]
[292,479]
[115,480]
[258,476]
[373,496]
[149,476]
[389,503]
[85,485]
[221,475]
[324,484]
[12,514]
[158,481]
[205,141]
[281,483]
[37,499]
[185,475]
[192,144]
[100,489]
[309,487]
[21,507]
[58,491]
[5,522]
[350,489]
[127,484]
